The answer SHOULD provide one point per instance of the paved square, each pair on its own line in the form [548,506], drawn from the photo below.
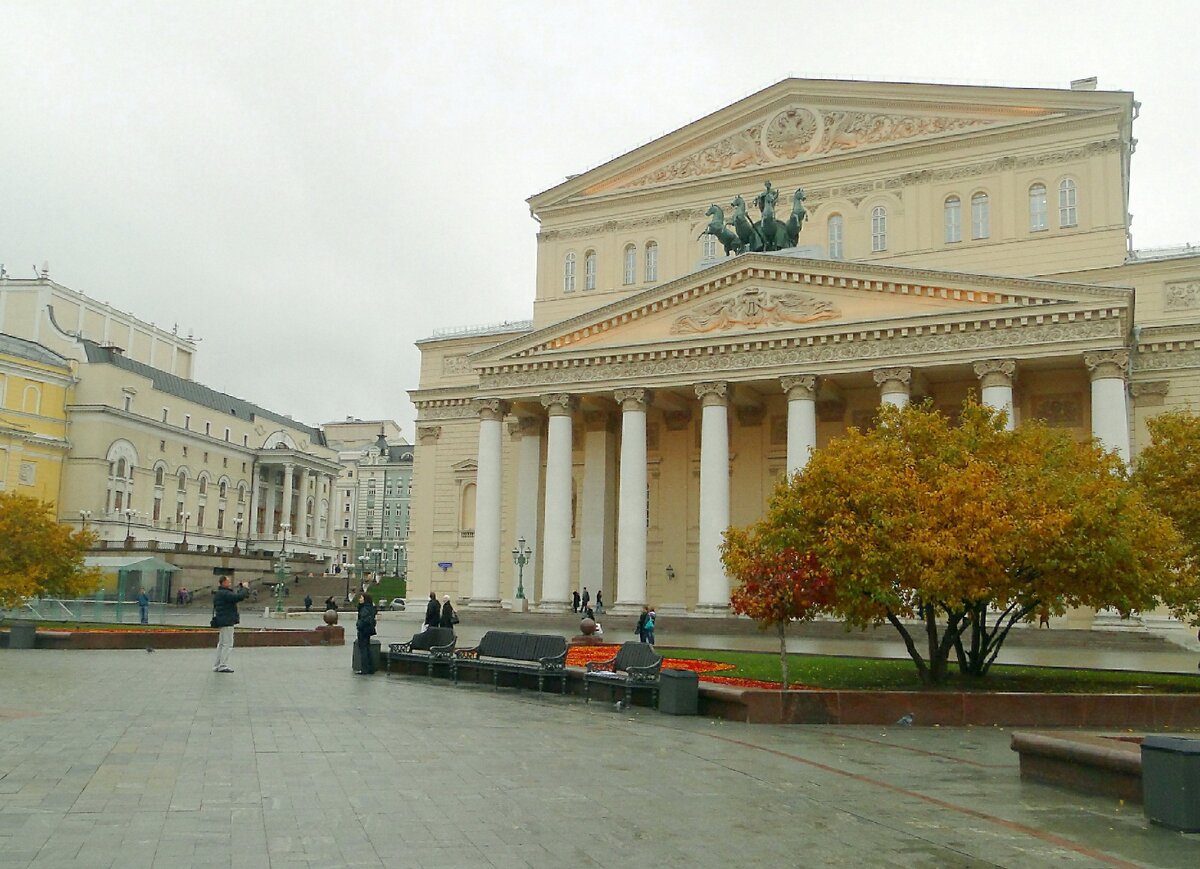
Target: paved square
[129,759]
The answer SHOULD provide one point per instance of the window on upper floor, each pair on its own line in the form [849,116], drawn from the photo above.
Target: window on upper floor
[204,485]
[1039,217]
[651,261]
[981,217]
[159,475]
[629,274]
[569,273]
[223,490]
[589,270]
[187,421]
[182,485]
[834,236]
[879,240]
[207,427]
[952,219]
[708,246]
[128,402]
[1067,213]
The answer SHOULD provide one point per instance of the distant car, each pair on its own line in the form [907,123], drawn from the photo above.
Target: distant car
[396,603]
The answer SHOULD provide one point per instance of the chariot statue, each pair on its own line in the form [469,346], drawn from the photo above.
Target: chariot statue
[765,234]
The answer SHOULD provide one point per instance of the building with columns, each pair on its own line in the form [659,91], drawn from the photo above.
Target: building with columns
[956,240]
[35,385]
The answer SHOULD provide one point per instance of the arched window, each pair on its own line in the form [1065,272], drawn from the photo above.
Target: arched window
[223,489]
[466,516]
[204,485]
[836,251]
[182,481]
[1067,215]
[1039,218]
[878,229]
[569,273]
[121,468]
[31,399]
[981,217]
[952,219]
[122,459]
[589,270]
[651,261]
[159,475]
[630,270]
[241,493]
[708,246]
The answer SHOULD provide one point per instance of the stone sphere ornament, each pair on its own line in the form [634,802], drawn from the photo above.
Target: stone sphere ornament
[587,627]
[331,617]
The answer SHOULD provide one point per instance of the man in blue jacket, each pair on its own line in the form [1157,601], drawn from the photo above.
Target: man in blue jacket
[225,616]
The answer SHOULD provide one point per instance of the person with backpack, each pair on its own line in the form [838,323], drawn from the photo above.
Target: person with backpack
[648,627]
[640,628]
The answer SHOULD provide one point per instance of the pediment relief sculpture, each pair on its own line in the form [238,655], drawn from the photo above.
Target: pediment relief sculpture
[800,132]
[752,309]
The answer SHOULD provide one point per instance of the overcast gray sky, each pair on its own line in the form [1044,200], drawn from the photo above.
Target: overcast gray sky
[312,187]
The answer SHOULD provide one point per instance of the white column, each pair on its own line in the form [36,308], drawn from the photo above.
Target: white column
[996,385]
[631,504]
[485,575]
[556,544]
[714,493]
[1110,404]
[802,419]
[327,508]
[302,521]
[894,385]
[596,503]
[529,485]
[250,517]
[268,530]
[285,517]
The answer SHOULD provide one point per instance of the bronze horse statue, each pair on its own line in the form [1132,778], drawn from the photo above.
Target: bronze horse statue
[747,232]
[796,221]
[716,228]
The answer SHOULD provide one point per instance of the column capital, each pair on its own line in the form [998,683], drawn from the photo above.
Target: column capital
[799,386]
[995,372]
[713,392]
[559,403]
[1107,364]
[490,408]
[634,398]
[428,433]
[289,466]
[896,377]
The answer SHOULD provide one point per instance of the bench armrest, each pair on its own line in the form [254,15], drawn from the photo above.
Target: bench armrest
[600,666]
[647,673]
[468,654]
[398,648]
[553,662]
[446,651]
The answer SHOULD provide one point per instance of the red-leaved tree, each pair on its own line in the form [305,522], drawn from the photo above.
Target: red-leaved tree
[777,586]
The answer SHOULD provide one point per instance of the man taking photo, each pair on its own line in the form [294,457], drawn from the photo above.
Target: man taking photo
[225,616]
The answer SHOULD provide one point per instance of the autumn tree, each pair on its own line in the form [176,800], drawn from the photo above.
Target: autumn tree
[39,556]
[953,534]
[777,586]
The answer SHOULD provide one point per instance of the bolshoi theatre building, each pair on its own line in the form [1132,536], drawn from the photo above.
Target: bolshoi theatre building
[715,304]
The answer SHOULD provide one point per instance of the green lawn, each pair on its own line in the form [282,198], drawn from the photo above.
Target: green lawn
[388,588]
[824,671]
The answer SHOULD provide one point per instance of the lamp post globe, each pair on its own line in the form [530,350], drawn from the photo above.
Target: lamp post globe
[521,554]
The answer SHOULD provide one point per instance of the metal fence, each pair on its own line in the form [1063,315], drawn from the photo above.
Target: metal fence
[99,608]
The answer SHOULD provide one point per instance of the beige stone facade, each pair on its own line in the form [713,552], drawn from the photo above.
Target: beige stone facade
[957,239]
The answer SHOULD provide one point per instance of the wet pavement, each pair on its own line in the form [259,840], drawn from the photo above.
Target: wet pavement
[128,759]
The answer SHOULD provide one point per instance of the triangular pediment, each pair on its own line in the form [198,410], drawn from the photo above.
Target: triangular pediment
[765,296]
[798,120]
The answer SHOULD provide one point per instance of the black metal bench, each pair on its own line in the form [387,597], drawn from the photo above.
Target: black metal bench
[636,665]
[431,646]
[541,655]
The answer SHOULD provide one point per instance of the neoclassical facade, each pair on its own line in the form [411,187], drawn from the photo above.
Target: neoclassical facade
[956,240]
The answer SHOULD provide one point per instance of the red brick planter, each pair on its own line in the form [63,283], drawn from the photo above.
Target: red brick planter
[325,635]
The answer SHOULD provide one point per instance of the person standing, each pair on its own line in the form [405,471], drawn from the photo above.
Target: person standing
[433,612]
[308,603]
[587,598]
[640,628]
[330,603]
[575,601]
[366,630]
[449,618]
[599,600]
[144,607]
[225,616]
[648,627]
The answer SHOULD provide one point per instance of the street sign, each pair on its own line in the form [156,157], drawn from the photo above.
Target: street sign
[445,565]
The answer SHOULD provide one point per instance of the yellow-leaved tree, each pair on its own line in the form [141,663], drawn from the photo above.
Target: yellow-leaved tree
[40,557]
[955,533]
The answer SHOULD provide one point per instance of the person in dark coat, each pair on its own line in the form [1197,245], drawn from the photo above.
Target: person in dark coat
[600,600]
[587,598]
[640,629]
[330,603]
[144,607]
[308,603]
[433,612]
[448,618]
[366,630]
[225,616]
[575,601]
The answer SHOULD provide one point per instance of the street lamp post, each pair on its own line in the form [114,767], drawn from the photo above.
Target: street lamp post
[521,554]
[285,528]
[237,531]
[396,560]
[378,563]
[349,576]
[362,571]
[186,517]
[129,514]
[84,517]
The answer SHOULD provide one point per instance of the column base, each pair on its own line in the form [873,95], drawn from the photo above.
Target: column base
[625,608]
[712,610]
[519,605]
[552,606]
[484,603]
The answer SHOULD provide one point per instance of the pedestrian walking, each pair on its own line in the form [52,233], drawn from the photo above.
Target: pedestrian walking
[599,600]
[648,626]
[225,616]
[575,601]
[586,599]
[640,628]
[144,607]
[433,612]
[448,618]
[366,629]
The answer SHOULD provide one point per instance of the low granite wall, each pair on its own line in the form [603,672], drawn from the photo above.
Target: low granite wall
[324,635]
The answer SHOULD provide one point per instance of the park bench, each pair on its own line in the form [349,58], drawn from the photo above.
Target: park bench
[636,665]
[431,646]
[541,655]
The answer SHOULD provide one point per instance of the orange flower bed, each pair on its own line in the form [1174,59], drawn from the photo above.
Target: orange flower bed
[579,656]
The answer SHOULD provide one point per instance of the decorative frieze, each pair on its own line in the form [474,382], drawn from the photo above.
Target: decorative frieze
[457,364]
[754,308]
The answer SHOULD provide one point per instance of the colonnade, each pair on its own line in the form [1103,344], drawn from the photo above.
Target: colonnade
[1110,424]
[280,496]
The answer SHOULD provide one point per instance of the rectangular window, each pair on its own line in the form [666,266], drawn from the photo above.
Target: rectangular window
[345,541]
[953,220]
[187,422]
[1067,212]
[200,516]
[980,216]
[164,414]
[246,440]
[208,428]
[226,435]
[157,509]
[128,402]
[220,520]
[162,446]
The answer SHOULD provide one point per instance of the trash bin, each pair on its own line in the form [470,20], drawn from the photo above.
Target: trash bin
[1171,781]
[22,635]
[679,692]
[376,654]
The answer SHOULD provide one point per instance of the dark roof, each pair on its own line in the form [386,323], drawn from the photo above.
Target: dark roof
[14,346]
[197,393]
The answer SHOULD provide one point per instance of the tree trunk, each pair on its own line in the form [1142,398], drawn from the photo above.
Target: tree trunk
[783,664]
[922,669]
